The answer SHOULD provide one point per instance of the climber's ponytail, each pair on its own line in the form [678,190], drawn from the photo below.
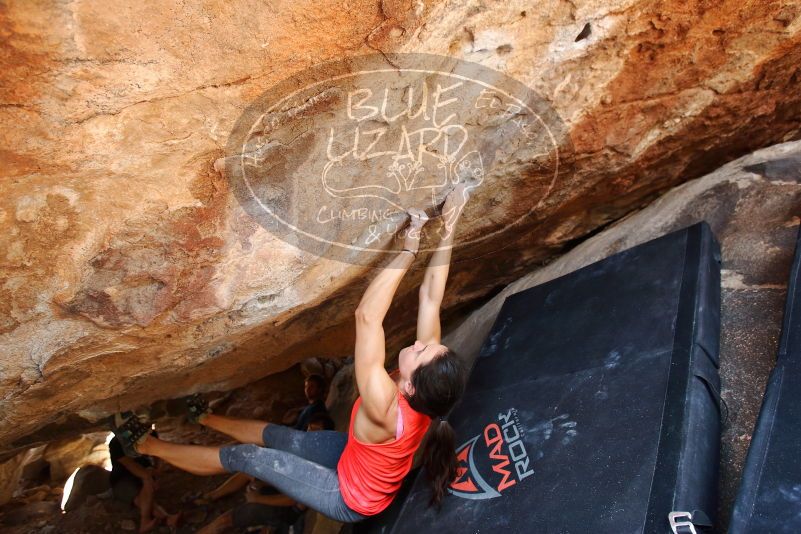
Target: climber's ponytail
[439,459]
[437,386]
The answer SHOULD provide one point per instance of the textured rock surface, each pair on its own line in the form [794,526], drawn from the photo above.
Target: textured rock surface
[68,455]
[128,273]
[341,396]
[753,205]
[11,471]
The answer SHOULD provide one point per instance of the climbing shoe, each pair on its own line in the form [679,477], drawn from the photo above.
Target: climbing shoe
[197,407]
[130,430]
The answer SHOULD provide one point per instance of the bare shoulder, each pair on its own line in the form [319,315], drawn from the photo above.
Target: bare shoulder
[371,429]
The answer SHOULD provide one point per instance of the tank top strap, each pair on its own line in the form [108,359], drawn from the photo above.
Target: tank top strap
[412,419]
[399,424]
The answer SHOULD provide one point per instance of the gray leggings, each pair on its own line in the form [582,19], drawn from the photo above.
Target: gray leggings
[301,465]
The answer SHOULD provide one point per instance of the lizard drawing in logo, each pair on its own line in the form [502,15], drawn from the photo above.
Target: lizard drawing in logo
[416,168]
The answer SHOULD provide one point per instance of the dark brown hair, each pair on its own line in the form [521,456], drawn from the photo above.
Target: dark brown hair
[437,386]
[317,379]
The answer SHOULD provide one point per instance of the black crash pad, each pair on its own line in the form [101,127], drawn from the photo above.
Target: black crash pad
[769,498]
[593,405]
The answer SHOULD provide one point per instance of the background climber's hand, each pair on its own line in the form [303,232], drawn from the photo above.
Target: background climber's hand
[458,196]
[417,219]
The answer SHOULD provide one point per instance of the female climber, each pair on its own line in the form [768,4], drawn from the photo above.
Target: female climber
[350,476]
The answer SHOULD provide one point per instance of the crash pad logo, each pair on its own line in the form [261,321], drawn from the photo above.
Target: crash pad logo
[330,159]
[493,461]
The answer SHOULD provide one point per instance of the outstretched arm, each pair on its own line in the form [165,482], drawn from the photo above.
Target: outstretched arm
[432,290]
[136,469]
[375,386]
[253,496]
[231,485]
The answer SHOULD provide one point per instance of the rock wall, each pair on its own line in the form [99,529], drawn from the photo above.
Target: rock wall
[128,272]
[11,470]
[753,205]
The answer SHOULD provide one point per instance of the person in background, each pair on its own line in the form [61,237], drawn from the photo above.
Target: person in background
[263,508]
[133,482]
[314,389]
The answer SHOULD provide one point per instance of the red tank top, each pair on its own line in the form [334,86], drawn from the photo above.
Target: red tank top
[370,474]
